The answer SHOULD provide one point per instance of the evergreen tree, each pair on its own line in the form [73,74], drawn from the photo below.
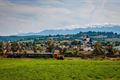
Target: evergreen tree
[1,48]
[98,50]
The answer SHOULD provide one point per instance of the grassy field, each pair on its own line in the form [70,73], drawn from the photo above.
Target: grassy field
[41,69]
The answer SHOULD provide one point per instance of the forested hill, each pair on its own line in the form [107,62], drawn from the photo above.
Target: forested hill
[60,37]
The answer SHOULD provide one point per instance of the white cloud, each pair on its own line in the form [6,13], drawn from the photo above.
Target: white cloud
[37,15]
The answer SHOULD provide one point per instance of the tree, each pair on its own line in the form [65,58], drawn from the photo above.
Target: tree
[50,45]
[1,48]
[75,42]
[14,47]
[34,47]
[20,49]
[98,50]
[7,48]
[110,49]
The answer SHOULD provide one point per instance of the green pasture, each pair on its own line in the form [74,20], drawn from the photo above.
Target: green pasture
[49,69]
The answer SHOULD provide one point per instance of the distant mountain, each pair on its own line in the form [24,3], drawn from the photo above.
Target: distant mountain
[96,28]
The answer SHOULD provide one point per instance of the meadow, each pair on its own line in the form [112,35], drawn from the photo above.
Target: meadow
[50,69]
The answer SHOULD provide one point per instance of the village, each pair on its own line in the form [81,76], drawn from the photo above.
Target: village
[86,49]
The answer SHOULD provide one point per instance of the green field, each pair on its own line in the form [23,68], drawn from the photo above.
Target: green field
[48,69]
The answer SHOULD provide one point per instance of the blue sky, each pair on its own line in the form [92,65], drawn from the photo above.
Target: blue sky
[22,16]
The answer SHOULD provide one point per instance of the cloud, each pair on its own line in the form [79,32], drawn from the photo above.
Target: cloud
[19,16]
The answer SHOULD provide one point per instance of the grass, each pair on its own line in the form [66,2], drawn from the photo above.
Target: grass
[48,69]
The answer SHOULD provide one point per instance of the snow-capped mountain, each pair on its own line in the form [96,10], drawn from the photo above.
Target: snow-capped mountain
[97,28]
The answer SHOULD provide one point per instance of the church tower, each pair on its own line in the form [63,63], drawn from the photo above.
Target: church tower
[87,43]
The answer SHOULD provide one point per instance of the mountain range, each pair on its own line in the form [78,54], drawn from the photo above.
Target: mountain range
[96,28]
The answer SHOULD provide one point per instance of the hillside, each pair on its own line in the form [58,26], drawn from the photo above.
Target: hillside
[94,35]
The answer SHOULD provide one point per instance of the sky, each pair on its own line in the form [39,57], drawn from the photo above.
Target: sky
[23,16]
